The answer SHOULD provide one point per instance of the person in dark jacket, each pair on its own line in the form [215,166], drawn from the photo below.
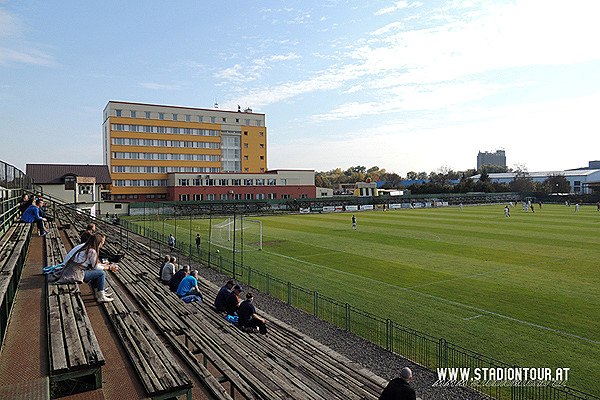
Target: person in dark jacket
[178,277]
[398,388]
[233,301]
[248,317]
[221,299]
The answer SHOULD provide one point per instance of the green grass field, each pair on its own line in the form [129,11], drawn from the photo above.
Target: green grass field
[524,290]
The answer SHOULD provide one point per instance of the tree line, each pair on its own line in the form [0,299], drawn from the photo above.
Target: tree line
[443,180]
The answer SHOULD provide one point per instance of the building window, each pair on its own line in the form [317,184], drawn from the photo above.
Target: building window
[197,182]
[260,196]
[211,197]
[236,196]
[150,196]
[283,182]
[118,113]
[272,195]
[224,119]
[224,196]
[184,182]
[248,182]
[249,196]
[85,189]
[200,118]
[245,157]
[285,196]
[120,197]
[147,114]
[257,123]
[246,145]
[236,182]
[174,117]
[184,197]
[247,122]
[261,134]
[210,182]
[245,133]
[188,118]
[223,182]
[303,196]
[260,182]
[161,196]
[132,114]
[118,206]
[262,157]
[197,197]
[262,145]
[271,182]
[262,170]
[245,169]
[161,115]
[237,120]
[213,120]
[133,196]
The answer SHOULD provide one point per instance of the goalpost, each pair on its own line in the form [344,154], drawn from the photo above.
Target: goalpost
[239,233]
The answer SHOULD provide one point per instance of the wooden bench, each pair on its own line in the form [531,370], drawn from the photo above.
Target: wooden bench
[13,252]
[161,376]
[284,364]
[72,345]
[158,371]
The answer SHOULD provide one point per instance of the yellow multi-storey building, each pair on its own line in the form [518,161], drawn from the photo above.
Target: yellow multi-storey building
[142,143]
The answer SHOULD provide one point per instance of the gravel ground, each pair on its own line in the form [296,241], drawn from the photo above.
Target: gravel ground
[378,360]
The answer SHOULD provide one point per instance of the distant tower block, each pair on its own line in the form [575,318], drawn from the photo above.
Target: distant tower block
[487,158]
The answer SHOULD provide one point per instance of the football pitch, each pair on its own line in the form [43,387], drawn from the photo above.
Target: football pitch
[524,290]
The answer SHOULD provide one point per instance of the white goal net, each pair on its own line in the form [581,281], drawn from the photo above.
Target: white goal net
[237,233]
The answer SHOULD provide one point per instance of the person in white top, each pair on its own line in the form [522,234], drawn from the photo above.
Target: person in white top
[82,265]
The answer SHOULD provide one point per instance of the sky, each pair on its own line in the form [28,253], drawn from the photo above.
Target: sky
[402,85]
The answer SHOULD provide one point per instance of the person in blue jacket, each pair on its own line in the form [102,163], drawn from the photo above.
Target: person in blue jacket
[32,214]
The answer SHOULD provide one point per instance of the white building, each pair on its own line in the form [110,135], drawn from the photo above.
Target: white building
[580,180]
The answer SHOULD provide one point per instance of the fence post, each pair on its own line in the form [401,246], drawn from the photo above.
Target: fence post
[389,335]
[443,353]
[249,276]
[348,317]
[268,284]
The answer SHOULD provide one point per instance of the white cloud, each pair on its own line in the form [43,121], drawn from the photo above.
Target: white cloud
[19,52]
[160,86]
[399,5]
[26,56]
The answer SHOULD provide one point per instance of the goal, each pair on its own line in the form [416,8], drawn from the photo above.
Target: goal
[237,233]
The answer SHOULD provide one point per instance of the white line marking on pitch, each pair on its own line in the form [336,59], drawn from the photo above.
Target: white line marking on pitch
[456,303]
[473,317]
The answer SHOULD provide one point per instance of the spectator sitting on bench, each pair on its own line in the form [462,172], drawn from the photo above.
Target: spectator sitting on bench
[398,388]
[221,299]
[81,265]
[248,319]
[178,277]
[85,235]
[167,259]
[168,271]
[32,214]
[43,212]
[189,286]
[25,203]
[233,301]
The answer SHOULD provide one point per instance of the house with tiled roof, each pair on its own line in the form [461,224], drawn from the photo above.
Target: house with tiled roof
[83,185]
